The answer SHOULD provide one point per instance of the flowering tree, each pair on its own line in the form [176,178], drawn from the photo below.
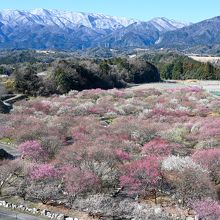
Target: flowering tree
[94,156]
[43,106]
[207,209]
[79,133]
[8,171]
[43,192]
[159,147]
[79,181]
[6,131]
[44,182]
[179,164]
[111,138]
[193,184]
[189,178]
[43,172]
[210,160]
[136,130]
[27,127]
[141,176]
[32,150]
[122,155]
[209,128]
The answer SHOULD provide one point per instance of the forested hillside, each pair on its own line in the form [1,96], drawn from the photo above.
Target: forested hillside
[64,75]
[178,66]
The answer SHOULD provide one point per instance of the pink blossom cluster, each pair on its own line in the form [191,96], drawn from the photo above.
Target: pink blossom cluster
[207,209]
[33,150]
[43,172]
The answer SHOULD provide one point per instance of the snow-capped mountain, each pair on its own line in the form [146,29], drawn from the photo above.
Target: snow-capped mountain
[139,34]
[164,24]
[63,19]
[41,29]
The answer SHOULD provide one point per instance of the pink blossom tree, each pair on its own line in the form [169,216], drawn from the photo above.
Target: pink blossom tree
[210,160]
[79,181]
[43,106]
[79,133]
[207,209]
[33,150]
[141,177]
[43,172]
[44,182]
[159,147]
[94,157]
[6,131]
[209,128]
[26,127]
[121,155]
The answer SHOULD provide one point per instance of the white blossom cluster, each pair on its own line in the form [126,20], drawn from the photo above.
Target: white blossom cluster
[177,163]
[83,108]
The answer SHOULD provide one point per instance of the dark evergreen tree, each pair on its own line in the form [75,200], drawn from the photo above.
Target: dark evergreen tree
[177,72]
[27,81]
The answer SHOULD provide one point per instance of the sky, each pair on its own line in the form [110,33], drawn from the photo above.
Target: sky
[182,10]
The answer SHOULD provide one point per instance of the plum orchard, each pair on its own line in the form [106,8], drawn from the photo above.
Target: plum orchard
[146,143]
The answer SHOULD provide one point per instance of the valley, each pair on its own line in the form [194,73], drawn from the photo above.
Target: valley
[107,117]
[84,132]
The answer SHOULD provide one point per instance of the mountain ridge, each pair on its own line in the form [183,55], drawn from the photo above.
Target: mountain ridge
[59,17]
[41,13]
[190,34]
[56,29]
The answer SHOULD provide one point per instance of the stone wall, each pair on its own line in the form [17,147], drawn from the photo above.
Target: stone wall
[34,211]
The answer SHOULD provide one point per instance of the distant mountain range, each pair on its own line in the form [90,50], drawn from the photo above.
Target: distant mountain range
[205,33]
[54,29]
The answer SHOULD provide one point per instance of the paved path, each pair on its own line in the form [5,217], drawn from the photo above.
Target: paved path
[14,99]
[9,148]
[6,104]
[11,215]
